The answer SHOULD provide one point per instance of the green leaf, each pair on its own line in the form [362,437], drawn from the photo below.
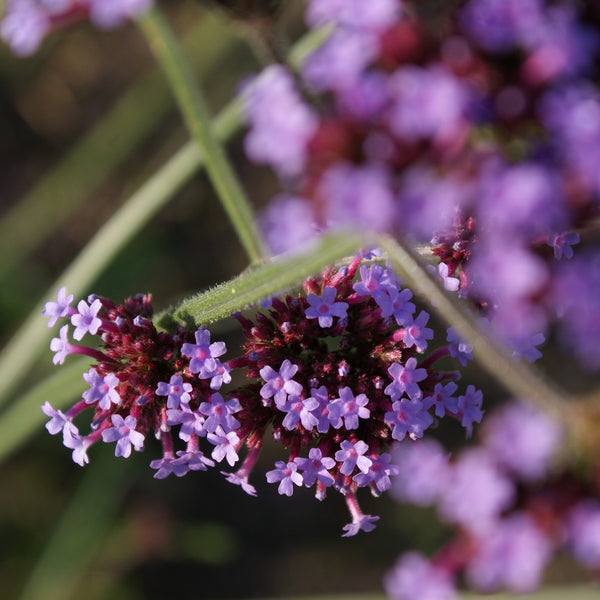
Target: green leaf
[280,274]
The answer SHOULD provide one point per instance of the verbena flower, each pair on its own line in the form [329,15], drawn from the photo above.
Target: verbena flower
[331,393]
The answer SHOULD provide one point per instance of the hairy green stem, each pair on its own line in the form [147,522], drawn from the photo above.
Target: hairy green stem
[198,120]
[274,277]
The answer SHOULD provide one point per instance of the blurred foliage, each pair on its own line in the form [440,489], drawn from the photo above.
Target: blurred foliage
[86,121]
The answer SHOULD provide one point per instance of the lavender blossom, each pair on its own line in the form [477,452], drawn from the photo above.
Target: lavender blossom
[124,433]
[280,383]
[176,390]
[405,380]
[351,455]
[325,308]
[102,389]
[60,308]
[287,475]
[315,468]
[85,320]
[280,123]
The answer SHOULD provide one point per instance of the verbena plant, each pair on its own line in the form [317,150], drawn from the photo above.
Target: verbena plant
[448,154]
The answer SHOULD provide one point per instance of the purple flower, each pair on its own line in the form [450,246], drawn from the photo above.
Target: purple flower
[176,391]
[442,399]
[408,417]
[203,353]
[168,465]
[191,421]
[506,273]
[226,445]
[219,413]
[378,474]
[416,333]
[523,440]
[194,460]
[339,63]
[123,432]
[428,203]
[572,115]
[281,124]
[434,94]
[288,223]
[352,455]
[315,467]
[476,492]
[463,351]
[375,281]
[583,532]
[498,25]
[327,412]
[523,199]
[561,46]
[423,471]
[185,462]
[280,383]
[60,308]
[358,197]
[287,475]
[112,13]
[361,523]
[396,303]
[576,298]
[300,411]
[85,320]
[24,26]
[562,242]
[451,284]
[512,555]
[325,308]
[469,407]
[79,444]
[415,578]
[61,346]
[102,389]
[58,421]
[405,380]
[353,408]
[375,14]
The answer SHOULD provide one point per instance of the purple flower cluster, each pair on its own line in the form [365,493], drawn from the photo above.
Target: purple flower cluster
[344,369]
[27,22]
[336,373]
[143,383]
[481,141]
[512,506]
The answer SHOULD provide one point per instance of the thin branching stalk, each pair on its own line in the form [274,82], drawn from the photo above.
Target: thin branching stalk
[198,119]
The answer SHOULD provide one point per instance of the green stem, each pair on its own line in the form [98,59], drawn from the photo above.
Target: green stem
[271,278]
[198,120]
